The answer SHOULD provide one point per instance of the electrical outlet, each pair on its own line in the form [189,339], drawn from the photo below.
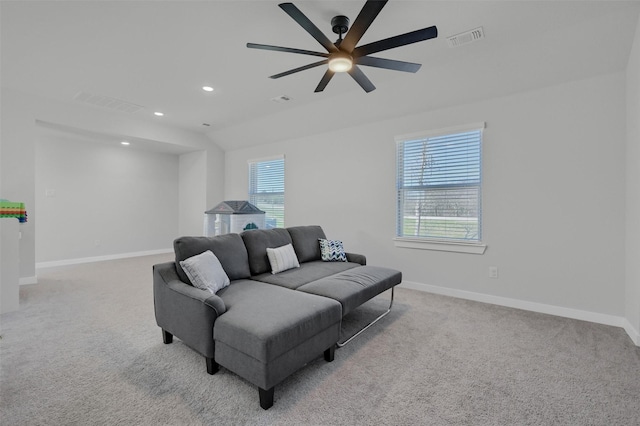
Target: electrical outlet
[493,272]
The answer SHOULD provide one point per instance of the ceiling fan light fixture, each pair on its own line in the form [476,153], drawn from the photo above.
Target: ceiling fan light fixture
[340,62]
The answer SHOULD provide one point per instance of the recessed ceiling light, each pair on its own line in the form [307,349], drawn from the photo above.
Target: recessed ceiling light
[125,143]
[207,88]
[158,113]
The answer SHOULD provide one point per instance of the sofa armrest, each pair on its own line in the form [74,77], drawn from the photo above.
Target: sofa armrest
[357,258]
[185,311]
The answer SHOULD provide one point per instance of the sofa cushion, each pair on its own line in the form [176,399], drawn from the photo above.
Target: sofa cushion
[355,286]
[228,248]
[282,258]
[264,321]
[205,272]
[305,241]
[332,251]
[306,273]
[256,242]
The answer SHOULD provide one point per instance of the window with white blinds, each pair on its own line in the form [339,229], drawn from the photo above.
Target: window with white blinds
[266,189]
[439,185]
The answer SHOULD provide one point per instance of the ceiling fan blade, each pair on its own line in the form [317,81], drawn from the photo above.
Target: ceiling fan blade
[366,16]
[389,64]
[295,70]
[397,41]
[286,49]
[309,26]
[326,78]
[361,79]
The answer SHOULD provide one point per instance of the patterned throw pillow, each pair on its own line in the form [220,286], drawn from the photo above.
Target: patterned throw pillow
[282,258]
[205,272]
[332,251]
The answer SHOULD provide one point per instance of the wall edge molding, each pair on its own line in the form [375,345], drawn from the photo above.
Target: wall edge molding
[542,308]
[66,262]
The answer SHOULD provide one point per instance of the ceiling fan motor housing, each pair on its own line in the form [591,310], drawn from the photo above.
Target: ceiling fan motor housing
[340,24]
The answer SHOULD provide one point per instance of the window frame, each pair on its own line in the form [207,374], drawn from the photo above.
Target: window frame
[432,243]
[253,191]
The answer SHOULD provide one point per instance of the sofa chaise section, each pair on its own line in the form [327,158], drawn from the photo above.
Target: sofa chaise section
[268,332]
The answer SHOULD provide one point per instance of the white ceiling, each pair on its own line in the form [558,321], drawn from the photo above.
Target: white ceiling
[158,54]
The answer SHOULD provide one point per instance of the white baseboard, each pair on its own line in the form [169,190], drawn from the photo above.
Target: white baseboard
[28,280]
[66,262]
[632,332]
[530,306]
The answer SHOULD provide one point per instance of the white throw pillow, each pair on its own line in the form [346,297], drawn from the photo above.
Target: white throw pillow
[282,258]
[205,272]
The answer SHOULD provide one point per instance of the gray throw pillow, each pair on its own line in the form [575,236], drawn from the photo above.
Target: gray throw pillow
[205,272]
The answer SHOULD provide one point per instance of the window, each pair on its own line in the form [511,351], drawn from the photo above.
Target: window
[266,189]
[439,186]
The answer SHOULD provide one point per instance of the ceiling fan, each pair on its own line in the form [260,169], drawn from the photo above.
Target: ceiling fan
[343,55]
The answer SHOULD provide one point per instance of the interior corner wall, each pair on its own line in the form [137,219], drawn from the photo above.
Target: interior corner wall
[553,194]
[632,278]
[215,176]
[192,198]
[201,187]
[95,199]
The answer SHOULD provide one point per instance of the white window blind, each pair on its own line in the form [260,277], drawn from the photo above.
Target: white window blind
[439,186]
[266,189]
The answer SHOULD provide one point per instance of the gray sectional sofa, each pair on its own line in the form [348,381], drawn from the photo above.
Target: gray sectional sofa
[264,326]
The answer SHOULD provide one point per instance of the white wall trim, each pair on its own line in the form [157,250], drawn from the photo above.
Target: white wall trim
[631,331]
[457,247]
[530,306]
[28,280]
[65,262]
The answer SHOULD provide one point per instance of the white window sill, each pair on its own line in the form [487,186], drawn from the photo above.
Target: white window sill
[457,247]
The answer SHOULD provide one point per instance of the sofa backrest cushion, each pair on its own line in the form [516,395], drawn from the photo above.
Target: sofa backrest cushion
[228,248]
[257,240]
[305,241]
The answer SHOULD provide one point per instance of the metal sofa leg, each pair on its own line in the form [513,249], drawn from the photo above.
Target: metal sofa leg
[266,397]
[212,366]
[384,314]
[167,337]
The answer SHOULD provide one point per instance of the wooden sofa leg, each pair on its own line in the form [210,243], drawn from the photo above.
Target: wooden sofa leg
[329,353]
[266,397]
[212,366]
[167,337]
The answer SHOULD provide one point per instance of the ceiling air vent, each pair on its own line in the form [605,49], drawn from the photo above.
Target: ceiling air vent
[107,102]
[466,37]
[281,99]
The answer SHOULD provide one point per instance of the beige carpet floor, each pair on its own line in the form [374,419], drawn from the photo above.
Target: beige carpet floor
[84,349]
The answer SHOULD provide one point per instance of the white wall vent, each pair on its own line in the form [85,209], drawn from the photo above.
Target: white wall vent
[466,37]
[107,102]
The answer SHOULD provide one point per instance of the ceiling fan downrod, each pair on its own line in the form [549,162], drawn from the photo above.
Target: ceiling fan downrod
[340,25]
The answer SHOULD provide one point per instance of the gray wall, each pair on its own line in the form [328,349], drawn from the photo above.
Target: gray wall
[95,199]
[553,195]
[633,190]
[20,114]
